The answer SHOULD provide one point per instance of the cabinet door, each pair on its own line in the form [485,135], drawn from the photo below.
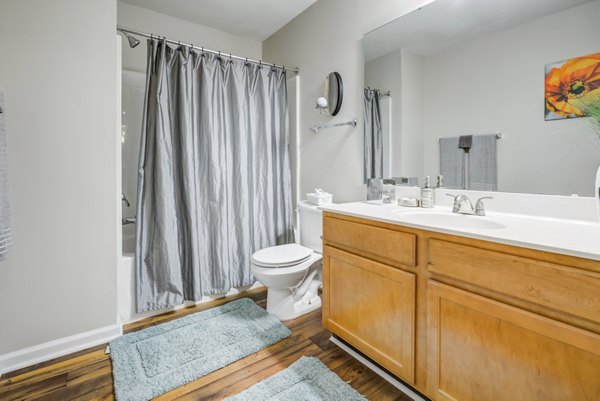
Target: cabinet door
[371,306]
[480,349]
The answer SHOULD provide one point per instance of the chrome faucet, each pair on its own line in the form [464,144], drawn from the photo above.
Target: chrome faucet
[462,205]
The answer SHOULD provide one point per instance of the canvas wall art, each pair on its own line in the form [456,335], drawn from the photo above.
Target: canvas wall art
[571,87]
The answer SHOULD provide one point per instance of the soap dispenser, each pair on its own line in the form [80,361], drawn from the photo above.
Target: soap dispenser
[427,194]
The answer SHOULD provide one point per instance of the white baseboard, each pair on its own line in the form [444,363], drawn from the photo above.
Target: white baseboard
[57,348]
[389,378]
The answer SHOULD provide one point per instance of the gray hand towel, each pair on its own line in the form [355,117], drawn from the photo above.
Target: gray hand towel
[483,163]
[451,163]
[5,228]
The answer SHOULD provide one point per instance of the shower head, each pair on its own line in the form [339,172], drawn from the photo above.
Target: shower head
[133,42]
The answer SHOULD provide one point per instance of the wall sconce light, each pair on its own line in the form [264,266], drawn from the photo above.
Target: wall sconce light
[322,105]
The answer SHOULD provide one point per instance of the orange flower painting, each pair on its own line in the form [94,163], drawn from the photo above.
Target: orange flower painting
[571,86]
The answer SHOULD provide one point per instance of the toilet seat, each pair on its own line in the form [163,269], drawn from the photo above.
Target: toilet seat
[280,271]
[281,256]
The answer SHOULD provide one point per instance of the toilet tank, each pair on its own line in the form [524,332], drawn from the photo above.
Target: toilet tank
[310,220]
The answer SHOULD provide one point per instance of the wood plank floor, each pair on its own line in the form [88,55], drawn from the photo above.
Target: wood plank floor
[87,375]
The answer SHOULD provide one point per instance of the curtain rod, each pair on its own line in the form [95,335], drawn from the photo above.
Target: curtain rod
[204,49]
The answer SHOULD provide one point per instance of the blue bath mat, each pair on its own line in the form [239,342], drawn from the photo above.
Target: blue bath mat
[155,360]
[305,380]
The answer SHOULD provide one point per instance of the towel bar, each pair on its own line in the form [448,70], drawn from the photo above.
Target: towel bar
[317,128]
[499,135]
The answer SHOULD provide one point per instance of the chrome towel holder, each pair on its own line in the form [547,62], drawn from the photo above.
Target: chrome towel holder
[317,128]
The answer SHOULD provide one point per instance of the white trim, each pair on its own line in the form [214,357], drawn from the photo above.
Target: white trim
[57,348]
[389,378]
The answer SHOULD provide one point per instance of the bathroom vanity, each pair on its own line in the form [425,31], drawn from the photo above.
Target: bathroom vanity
[500,308]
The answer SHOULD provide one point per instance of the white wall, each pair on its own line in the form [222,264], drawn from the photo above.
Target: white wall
[141,19]
[133,91]
[328,37]
[496,84]
[57,71]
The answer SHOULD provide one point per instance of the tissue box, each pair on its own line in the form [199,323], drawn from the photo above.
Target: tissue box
[319,199]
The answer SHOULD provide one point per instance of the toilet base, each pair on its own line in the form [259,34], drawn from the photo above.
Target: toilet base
[280,302]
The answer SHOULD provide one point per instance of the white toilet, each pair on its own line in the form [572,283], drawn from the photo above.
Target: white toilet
[292,273]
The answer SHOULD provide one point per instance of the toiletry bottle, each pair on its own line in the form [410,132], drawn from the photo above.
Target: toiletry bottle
[389,191]
[438,185]
[440,181]
[427,194]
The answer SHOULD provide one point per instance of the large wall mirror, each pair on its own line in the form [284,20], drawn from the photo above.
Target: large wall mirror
[489,93]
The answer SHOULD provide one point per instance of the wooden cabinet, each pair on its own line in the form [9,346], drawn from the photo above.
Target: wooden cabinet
[463,319]
[480,349]
[371,306]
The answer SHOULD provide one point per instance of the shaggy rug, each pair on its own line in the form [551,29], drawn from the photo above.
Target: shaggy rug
[155,360]
[305,380]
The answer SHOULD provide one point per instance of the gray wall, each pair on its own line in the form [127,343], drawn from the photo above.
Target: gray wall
[141,19]
[328,37]
[58,74]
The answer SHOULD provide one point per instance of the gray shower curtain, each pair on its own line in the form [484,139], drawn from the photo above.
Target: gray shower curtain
[214,177]
[373,136]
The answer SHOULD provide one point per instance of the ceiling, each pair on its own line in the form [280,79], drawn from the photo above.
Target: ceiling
[256,19]
[443,24]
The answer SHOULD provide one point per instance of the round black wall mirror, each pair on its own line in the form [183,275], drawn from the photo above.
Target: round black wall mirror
[335,93]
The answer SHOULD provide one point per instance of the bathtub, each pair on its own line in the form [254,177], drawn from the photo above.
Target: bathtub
[126,284]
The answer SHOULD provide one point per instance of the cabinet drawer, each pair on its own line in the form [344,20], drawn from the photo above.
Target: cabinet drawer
[388,246]
[563,288]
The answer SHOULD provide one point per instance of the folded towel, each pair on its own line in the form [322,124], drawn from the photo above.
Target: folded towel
[5,228]
[465,142]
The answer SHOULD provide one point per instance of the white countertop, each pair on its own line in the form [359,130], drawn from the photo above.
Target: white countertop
[568,237]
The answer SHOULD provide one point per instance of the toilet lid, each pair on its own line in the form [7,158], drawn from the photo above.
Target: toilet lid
[281,256]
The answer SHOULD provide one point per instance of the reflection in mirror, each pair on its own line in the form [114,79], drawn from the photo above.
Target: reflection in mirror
[491,94]
[376,133]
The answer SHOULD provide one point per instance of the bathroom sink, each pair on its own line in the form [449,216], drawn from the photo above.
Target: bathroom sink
[451,220]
